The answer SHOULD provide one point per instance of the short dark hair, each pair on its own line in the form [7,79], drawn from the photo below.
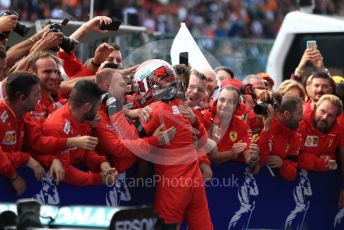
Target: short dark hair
[226,69]
[85,91]
[321,74]
[289,103]
[20,82]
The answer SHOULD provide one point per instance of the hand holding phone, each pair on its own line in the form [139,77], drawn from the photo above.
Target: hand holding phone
[113,26]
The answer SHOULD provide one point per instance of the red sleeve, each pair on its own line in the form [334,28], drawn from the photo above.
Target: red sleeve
[202,133]
[35,138]
[204,159]
[245,134]
[264,146]
[288,170]
[341,139]
[310,161]
[6,168]
[93,160]
[152,124]
[295,78]
[17,158]
[73,66]
[81,178]
[112,145]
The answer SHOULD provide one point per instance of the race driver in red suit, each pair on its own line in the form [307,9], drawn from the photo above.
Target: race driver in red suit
[73,119]
[180,193]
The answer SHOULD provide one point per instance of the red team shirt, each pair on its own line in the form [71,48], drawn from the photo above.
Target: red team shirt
[120,142]
[33,127]
[11,137]
[73,66]
[62,124]
[283,142]
[237,131]
[317,144]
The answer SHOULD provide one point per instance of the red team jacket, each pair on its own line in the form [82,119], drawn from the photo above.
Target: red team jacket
[33,127]
[285,143]
[120,142]
[73,66]
[11,137]
[237,131]
[317,144]
[62,124]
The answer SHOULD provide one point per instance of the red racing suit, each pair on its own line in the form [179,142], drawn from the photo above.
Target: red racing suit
[202,154]
[11,137]
[317,144]
[62,124]
[283,142]
[180,192]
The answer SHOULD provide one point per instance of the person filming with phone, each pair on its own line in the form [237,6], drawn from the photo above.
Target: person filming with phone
[317,83]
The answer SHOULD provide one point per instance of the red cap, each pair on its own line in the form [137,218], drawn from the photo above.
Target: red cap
[231,82]
[266,77]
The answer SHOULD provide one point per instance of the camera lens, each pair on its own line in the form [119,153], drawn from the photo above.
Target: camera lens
[261,109]
[68,44]
[21,29]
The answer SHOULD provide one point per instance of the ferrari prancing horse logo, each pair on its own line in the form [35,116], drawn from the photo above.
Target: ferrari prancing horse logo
[233,135]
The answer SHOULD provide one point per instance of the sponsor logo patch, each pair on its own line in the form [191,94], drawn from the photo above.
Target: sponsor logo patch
[312,141]
[10,138]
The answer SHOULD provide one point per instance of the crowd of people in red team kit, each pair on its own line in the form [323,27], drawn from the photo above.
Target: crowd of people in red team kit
[57,113]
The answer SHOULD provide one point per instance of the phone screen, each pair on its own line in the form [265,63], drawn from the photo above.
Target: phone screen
[184,58]
[312,45]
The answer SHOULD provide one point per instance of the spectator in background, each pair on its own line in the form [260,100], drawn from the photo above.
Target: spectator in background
[269,83]
[292,87]
[320,84]
[223,73]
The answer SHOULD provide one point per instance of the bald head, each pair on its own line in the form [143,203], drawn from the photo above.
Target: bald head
[112,81]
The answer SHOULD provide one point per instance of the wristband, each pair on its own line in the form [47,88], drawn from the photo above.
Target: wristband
[95,64]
